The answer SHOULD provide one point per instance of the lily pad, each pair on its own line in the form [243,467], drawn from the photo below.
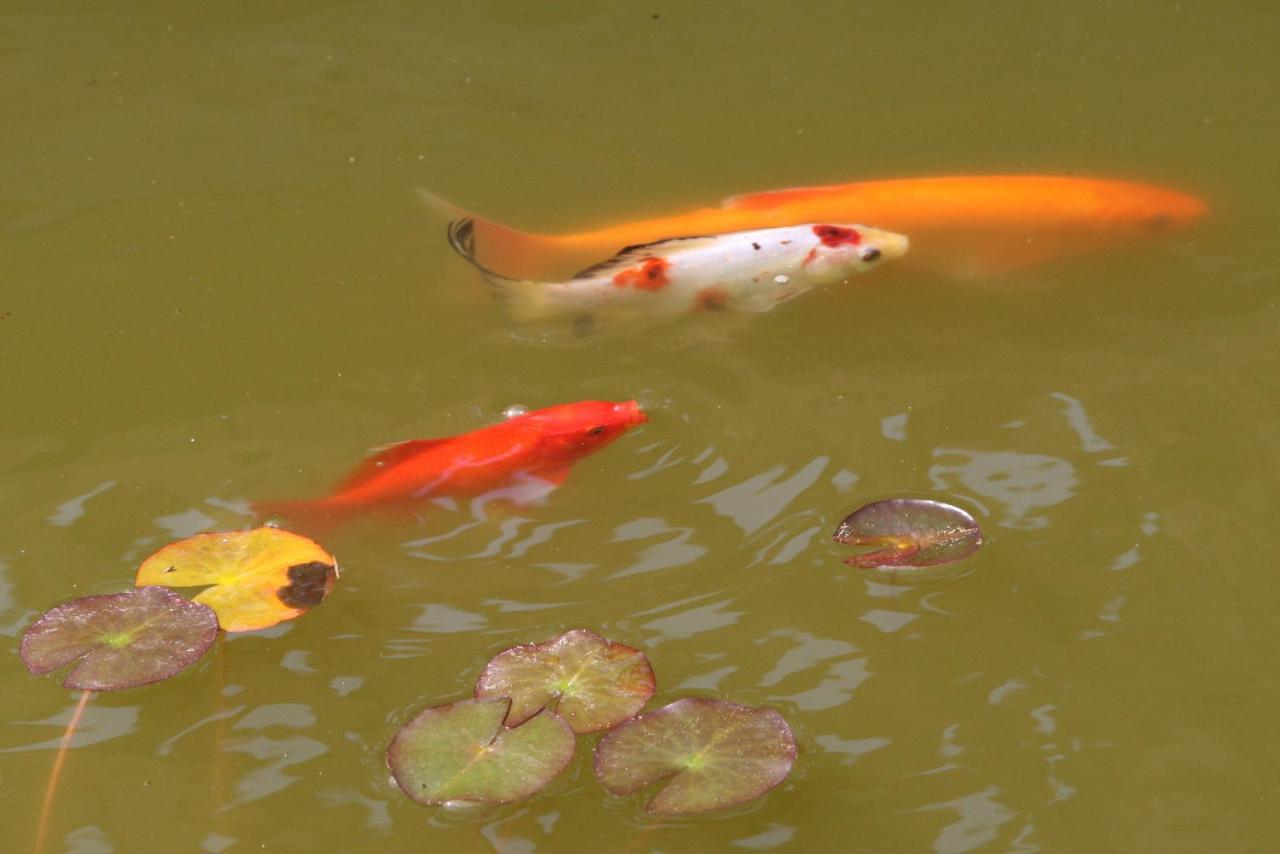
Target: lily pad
[462,752]
[593,683]
[255,578]
[713,755]
[122,639]
[910,532]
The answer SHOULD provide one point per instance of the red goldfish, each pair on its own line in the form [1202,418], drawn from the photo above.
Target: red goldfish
[957,224]
[520,459]
[747,271]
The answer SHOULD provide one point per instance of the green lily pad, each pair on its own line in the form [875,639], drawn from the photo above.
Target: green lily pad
[462,752]
[122,640]
[910,532]
[593,683]
[713,755]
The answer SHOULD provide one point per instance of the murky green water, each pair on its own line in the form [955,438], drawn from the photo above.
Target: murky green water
[216,286]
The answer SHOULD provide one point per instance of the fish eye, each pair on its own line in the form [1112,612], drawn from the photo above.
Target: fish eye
[870,254]
[596,431]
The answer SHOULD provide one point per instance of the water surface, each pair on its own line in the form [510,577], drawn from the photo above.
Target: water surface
[218,286]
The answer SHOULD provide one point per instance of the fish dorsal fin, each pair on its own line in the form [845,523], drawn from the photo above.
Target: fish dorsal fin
[638,252]
[777,198]
[386,458]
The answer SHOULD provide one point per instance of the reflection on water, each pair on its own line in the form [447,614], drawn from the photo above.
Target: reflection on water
[376,815]
[671,552]
[887,621]
[850,748]
[276,754]
[165,748]
[1021,482]
[12,619]
[439,618]
[100,722]
[980,816]
[69,511]
[90,839]
[831,670]
[760,498]
[772,836]
[689,622]
[1078,419]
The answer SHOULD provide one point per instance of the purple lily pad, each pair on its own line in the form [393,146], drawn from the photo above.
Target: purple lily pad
[713,755]
[910,532]
[590,682]
[122,640]
[462,752]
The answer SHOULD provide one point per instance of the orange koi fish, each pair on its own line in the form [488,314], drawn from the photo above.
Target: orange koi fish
[966,225]
[747,271]
[520,459]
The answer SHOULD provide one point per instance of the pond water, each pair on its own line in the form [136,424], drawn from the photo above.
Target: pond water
[219,286]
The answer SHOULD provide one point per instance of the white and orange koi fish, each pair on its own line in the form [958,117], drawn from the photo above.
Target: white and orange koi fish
[747,271]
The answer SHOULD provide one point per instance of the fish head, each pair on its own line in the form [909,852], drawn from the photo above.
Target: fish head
[840,251]
[574,430]
[1145,208]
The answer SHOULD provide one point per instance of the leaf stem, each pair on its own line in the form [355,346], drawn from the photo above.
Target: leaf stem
[46,808]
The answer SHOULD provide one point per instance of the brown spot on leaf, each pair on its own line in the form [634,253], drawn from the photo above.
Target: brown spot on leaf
[308,584]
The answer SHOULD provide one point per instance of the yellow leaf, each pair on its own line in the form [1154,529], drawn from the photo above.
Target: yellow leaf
[255,578]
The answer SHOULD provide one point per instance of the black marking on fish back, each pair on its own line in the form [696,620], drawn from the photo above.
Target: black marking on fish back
[462,237]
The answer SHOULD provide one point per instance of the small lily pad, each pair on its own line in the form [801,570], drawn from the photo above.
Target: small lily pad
[462,752]
[593,683]
[255,578]
[910,532]
[122,639]
[713,755]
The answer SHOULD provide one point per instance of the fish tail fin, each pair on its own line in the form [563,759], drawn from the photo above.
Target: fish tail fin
[524,300]
[496,246]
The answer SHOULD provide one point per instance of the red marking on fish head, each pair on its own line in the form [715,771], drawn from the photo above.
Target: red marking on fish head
[649,275]
[574,430]
[837,235]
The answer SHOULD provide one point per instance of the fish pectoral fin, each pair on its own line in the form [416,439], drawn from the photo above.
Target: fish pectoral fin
[555,476]
[632,255]
[384,458]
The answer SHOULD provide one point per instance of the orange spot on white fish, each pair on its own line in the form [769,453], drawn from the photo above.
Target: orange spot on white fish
[650,275]
[713,298]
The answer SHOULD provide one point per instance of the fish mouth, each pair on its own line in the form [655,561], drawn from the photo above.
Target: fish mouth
[630,412]
[892,245]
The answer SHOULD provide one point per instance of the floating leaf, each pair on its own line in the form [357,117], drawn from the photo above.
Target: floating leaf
[122,640]
[716,755]
[256,578]
[462,752]
[597,683]
[911,532]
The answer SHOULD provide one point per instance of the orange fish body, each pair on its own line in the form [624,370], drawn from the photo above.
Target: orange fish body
[958,224]
[519,459]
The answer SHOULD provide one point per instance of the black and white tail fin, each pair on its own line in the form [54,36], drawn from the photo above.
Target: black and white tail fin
[525,300]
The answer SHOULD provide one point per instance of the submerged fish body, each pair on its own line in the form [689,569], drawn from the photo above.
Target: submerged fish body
[519,459]
[958,224]
[749,271]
